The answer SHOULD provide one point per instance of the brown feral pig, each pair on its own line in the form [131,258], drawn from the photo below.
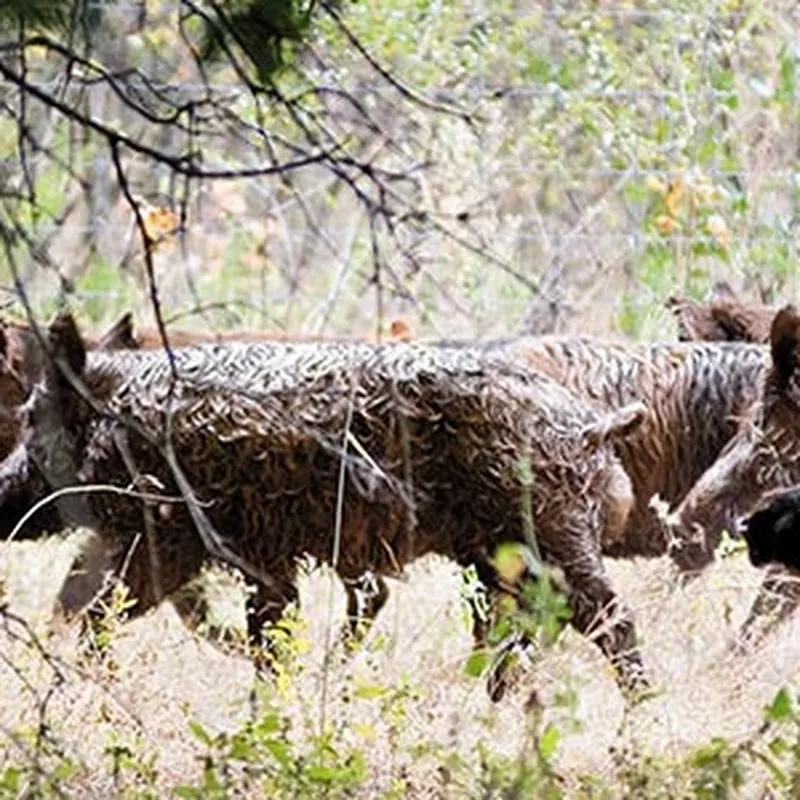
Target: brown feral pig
[700,399]
[694,394]
[364,457]
[726,318]
[22,361]
[763,457]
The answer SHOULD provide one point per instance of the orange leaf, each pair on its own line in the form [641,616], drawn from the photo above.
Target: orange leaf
[400,330]
[666,224]
[160,223]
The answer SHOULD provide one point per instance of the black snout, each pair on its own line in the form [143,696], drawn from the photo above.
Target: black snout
[758,531]
[771,532]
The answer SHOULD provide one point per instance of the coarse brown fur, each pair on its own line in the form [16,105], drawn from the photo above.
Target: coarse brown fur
[22,363]
[679,439]
[434,440]
[694,394]
[701,400]
[724,317]
[704,447]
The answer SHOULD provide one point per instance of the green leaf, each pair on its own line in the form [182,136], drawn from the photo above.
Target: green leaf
[537,69]
[778,774]
[64,770]
[476,664]
[780,708]
[10,780]
[723,80]
[778,746]
[787,82]
[501,629]
[280,751]
[509,561]
[242,749]
[708,146]
[269,724]
[370,691]
[188,792]
[548,741]
[321,774]
[200,733]
[731,101]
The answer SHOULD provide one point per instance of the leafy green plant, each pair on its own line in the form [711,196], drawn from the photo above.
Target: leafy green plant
[261,757]
[133,771]
[103,626]
[40,766]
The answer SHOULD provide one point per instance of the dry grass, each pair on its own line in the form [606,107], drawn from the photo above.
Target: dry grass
[166,676]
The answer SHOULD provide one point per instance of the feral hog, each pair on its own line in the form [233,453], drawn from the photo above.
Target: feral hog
[22,362]
[366,595]
[694,394]
[763,457]
[700,399]
[364,457]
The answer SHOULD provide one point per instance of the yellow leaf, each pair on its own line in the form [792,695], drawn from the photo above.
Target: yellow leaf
[655,185]
[673,196]
[704,193]
[400,331]
[509,563]
[718,228]
[506,603]
[364,730]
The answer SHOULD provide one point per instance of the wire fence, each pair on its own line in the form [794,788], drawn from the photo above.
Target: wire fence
[503,160]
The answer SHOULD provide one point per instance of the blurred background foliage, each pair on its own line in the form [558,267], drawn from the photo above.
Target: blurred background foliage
[474,168]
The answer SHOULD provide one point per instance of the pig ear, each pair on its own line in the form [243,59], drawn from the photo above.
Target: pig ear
[719,320]
[66,344]
[784,340]
[689,318]
[616,425]
[120,335]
